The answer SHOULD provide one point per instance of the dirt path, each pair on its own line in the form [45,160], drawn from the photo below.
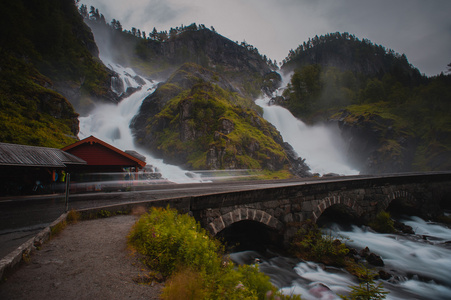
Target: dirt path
[87,260]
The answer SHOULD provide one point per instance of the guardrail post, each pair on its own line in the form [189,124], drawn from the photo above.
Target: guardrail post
[67,190]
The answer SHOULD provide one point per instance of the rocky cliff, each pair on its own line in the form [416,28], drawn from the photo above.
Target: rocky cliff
[375,144]
[197,119]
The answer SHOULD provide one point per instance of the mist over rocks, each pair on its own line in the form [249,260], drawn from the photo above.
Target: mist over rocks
[374,145]
[158,59]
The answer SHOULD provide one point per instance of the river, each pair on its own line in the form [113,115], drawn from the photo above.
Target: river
[420,264]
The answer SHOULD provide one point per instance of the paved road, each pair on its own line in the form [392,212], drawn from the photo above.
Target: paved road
[22,217]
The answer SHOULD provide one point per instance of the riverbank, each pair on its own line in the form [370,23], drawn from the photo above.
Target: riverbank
[87,260]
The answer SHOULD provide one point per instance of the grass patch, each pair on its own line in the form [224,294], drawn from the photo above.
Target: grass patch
[73,217]
[55,230]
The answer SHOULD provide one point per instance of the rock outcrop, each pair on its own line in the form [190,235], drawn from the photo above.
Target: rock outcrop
[198,120]
[375,145]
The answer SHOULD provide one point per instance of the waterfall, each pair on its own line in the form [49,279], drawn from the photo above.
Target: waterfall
[321,146]
[110,122]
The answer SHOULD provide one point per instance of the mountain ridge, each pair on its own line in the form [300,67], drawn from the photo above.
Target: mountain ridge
[337,79]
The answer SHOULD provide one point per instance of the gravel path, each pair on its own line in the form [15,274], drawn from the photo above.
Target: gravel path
[87,260]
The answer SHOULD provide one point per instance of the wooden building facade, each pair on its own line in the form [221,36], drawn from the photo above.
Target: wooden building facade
[34,170]
[103,157]
[37,170]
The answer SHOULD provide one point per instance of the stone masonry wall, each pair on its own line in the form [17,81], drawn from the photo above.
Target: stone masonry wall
[282,209]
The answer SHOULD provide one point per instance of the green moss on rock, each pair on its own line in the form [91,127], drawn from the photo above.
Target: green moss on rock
[206,126]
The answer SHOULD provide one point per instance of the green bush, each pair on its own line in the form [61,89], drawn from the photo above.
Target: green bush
[170,240]
[176,246]
[309,243]
[383,223]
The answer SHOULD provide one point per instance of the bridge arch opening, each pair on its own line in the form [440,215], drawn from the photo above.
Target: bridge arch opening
[250,235]
[339,213]
[403,203]
[402,206]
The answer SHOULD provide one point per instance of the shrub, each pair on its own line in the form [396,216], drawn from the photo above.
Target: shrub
[383,223]
[104,214]
[169,240]
[367,288]
[186,284]
[176,246]
[309,243]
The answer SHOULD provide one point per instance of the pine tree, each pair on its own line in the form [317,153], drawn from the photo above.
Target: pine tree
[367,289]
[84,11]
[118,25]
[154,34]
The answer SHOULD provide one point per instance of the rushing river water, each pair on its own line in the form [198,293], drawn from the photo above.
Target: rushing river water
[420,264]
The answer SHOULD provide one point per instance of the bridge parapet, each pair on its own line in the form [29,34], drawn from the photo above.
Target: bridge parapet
[281,208]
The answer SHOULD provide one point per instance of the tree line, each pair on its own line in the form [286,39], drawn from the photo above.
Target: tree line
[94,15]
[330,40]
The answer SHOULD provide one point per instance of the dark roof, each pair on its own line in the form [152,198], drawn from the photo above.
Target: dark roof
[31,156]
[136,158]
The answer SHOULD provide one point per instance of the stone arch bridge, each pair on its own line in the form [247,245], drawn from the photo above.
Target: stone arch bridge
[282,207]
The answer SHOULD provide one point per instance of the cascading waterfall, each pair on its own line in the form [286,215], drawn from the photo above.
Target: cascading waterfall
[421,264]
[111,122]
[321,147]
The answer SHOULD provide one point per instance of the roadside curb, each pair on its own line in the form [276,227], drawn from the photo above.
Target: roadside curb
[10,261]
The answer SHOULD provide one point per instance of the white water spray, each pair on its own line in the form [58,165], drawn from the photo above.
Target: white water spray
[421,266]
[111,123]
[423,262]
[321,147]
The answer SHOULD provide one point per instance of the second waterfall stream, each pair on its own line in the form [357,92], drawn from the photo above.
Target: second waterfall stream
[320,146]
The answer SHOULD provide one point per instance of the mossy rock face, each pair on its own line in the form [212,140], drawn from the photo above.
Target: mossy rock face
[31,113]
[48,64]
[377,141]
[192,120]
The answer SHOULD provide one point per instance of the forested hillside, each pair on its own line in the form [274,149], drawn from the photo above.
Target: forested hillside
[394,118]
[47,56]
[202,116]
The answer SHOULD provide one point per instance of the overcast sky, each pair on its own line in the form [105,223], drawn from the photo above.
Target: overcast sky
[419,28]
